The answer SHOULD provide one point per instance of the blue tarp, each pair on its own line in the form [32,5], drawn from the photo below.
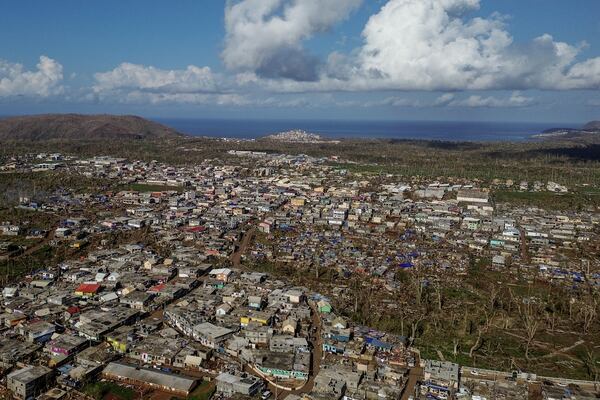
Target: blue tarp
[65,369]
[436,387]
[378,343]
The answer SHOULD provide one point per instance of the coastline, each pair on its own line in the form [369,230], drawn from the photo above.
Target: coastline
[369,130]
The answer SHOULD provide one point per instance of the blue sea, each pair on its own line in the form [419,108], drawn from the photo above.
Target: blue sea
[450,131]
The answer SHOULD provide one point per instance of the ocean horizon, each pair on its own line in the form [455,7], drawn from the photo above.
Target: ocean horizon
[356,129]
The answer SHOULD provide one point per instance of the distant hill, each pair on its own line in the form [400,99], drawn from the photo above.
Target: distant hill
[591,130]
[77,127]
[592,126]
[561,130]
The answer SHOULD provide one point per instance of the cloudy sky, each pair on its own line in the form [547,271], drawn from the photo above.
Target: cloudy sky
[518,60]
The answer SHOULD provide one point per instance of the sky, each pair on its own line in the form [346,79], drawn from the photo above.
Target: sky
[441,60]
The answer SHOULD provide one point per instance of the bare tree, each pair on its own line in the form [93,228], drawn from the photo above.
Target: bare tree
[438,291]
[455,344]
[482,329]
[591,362]
[530,317]
[417,284]
[414,326]
[588,312]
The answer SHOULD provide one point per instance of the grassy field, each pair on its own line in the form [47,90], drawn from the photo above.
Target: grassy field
[24,264]
[503,350]
[578,200]
[204,391]
[99,390]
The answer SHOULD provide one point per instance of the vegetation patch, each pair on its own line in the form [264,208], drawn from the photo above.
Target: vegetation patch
[549,200]
[99,390]
[145,188]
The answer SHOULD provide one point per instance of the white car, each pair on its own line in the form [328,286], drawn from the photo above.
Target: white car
[266,394]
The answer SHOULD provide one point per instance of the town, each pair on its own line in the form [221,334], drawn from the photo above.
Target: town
[267,275]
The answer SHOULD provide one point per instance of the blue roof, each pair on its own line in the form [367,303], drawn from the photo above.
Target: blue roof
[436,387]
[377,343]
[65,369]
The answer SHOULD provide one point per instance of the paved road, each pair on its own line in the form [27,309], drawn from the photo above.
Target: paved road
[469,373]
[475,374]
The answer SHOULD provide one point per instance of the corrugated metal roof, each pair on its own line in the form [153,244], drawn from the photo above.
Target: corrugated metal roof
[154,377]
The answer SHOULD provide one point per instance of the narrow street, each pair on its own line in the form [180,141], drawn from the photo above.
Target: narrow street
[317,356]
[415,374]
[317,353]
[523,246]
[236,256]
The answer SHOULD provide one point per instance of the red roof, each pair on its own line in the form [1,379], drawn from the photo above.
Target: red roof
[157,288]
[196,229]
[88,288]
[73,310]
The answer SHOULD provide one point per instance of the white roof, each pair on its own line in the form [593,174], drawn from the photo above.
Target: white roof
[100,276]
[219,271]
[9,291]
[109,296]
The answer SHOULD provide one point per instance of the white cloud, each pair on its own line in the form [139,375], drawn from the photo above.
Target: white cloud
[266,36]
[141,97]
[408,45]
[15,80]
[133,76]
[434,45]
[444,99]
[135,96]
[140,84]
[584,75]
[516,100]
[286,102]
[400,102]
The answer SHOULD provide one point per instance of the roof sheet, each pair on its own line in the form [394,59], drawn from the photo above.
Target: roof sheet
[175,382]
